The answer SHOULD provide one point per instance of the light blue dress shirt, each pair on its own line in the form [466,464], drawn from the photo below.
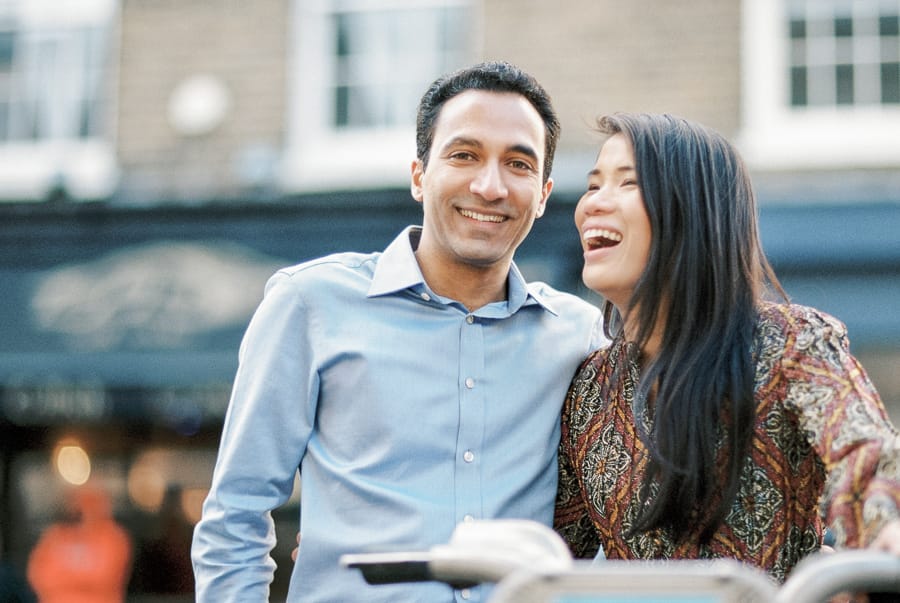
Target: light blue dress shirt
[405,413]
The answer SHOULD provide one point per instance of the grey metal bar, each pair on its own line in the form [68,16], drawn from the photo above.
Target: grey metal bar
[823,575]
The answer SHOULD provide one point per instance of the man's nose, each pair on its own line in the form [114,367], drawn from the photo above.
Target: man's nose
[488,183]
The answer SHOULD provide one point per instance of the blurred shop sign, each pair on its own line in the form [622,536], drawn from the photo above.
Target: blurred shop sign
[184,409]
[54,404]
[162,294]
[158,314]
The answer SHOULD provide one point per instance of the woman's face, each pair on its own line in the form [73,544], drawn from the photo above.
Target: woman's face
[613,224]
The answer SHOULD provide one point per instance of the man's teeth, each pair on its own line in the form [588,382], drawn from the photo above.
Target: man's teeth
[481,217]
[601,237]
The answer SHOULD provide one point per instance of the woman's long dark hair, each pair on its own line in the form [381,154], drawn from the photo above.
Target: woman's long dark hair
[707,270]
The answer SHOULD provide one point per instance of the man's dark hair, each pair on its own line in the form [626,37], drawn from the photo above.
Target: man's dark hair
[493,76]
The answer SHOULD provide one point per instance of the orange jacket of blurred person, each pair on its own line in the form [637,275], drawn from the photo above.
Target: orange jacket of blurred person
[85,559]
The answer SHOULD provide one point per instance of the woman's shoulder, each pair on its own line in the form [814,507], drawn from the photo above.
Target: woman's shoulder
[788,330]
[613,352]
[797,318]
[597,369]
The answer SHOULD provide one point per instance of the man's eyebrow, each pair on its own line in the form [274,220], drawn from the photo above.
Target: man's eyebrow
[525,149]
[465,141]
[462,141]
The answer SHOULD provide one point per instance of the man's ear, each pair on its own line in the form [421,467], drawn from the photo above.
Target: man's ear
[415,185]
[545,194]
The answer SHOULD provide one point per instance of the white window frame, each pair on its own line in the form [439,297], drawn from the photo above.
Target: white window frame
[84,167]
[775,136]
[319,156]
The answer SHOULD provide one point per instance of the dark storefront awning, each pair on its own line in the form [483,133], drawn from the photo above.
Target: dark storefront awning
[114,313]
[119,312]
[121,335]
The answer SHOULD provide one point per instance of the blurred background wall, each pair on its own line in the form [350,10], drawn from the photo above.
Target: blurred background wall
[160,158]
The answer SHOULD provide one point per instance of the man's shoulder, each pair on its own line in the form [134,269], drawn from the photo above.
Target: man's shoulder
[326,266]
[563,302]
[577,323]
[325,276]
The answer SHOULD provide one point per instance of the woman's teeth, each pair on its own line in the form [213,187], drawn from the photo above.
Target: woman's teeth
[600,237]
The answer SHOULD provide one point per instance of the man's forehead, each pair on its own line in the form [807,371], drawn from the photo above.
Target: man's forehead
[476,116]
[467,100]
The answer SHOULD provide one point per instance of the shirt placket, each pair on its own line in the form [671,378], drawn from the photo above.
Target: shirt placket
[469,464]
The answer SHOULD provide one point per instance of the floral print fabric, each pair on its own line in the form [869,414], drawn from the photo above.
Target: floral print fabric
[822,448]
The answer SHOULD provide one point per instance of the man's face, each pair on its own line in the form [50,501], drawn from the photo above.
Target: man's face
[483,187]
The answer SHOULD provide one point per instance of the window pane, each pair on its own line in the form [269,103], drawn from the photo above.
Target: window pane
[889,25]
[341,103]
[890,49]
[844,84]
[342,44]
[843,27]
[842,52]
[798,87]
[384,59]
[7,43]
[890,83]
[52,80]
[798,52]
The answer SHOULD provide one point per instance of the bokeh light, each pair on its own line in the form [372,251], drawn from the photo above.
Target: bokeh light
[147,483]
[73,463]
[192,503]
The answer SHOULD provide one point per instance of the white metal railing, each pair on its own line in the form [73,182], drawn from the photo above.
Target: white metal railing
[529,563]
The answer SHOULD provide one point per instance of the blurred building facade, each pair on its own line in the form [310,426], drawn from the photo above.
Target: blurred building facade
[160,158]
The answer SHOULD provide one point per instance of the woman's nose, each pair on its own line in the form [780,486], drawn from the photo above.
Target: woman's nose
[595,201]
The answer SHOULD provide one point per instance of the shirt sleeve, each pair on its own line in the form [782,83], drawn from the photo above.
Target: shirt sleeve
[847,425]
[572,519]
[266,429]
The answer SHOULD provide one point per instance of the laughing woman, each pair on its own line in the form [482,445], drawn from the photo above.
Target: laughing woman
[721,413]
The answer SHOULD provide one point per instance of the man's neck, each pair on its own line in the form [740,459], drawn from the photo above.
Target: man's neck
[472,286]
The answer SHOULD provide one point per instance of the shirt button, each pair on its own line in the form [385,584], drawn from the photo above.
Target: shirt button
[425,296]
[468,518]
[465,594]
[470,319]
[470,383]
[468,456]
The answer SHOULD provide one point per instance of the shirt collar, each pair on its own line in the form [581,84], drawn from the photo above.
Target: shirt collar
[398,269]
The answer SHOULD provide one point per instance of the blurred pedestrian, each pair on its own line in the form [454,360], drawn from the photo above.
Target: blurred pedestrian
[163,563]
[85,556]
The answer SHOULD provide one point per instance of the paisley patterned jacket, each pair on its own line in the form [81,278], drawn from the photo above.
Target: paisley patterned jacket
[823,448]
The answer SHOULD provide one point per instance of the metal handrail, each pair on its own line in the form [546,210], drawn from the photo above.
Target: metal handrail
[720,580]
[823,575]
[529,562]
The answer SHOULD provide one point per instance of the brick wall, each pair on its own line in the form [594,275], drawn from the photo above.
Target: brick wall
[599,56]
[244,45]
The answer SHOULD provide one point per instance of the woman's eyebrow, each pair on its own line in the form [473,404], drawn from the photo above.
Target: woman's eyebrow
[621,168]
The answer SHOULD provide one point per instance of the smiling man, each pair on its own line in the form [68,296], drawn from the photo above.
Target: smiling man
[415,388]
